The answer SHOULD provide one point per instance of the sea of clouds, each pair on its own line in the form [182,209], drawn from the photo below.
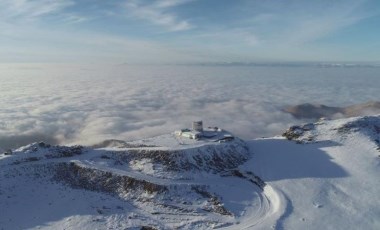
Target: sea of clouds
[86,104]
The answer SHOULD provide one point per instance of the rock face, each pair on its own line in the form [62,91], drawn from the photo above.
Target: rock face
[94,179]
[209,158]
[316,111]
[368,125]
[297,131]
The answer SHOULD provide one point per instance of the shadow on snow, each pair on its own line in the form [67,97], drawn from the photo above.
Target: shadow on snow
[279,159]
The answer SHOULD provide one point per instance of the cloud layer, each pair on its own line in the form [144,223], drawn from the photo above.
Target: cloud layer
[86,104]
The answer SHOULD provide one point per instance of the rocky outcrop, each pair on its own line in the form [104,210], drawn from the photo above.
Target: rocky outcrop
[77,176]
[209,158]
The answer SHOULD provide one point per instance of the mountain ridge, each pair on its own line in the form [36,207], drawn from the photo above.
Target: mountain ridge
[299,181]
[316,111]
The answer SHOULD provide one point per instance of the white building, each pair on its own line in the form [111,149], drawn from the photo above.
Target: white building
[195,133]
[191,134]
[208,134]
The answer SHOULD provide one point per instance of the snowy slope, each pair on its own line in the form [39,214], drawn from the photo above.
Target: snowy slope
[322,175]
[130,185]
[328,175]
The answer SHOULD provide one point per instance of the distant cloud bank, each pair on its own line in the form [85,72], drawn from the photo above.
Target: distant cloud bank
[74,104]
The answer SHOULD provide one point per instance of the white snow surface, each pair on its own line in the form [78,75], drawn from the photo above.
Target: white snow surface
[327,177]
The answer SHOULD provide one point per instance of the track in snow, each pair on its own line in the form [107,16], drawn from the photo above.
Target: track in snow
[271,205]
[271,208]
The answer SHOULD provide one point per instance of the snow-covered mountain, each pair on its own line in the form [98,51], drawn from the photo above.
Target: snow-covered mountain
[322,175]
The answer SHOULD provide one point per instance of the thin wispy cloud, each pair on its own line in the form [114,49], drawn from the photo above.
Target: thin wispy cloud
[170,3]
[297,22]
[73,18]
[159,13]
[324,21]
[238,30]
[264,30]
[31,8]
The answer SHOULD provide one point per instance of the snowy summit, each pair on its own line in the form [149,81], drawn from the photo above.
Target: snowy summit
[317,175]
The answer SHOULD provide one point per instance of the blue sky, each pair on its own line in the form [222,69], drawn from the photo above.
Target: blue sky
[189,31]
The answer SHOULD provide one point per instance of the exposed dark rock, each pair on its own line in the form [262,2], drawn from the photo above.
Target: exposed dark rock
[248,175]
[212,158]
[237,173]
[64,151]
[24,160]
[298,131]
[119,143]
[8,152]
[293,132]
[43,145]
[216,205]
[148,228]
[102,181]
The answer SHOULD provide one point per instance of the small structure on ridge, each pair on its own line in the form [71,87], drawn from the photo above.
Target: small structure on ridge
[198,126]
[209,134]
